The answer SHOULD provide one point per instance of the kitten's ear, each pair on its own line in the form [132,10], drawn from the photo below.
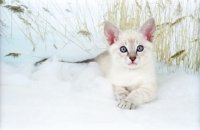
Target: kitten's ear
[148,29]
[111,32]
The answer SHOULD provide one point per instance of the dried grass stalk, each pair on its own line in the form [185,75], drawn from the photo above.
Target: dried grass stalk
[178,54]
[14,55]
[1,2]
[15,9]
[85,33]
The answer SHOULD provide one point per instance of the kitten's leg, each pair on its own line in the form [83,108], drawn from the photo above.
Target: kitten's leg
[120,93]
[138,96]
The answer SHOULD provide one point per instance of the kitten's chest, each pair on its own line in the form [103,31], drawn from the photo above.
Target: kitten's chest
[124,78]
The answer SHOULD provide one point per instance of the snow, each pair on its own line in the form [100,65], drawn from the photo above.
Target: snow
[60,95]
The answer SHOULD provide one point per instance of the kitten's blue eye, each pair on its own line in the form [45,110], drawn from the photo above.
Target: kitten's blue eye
[123,49]
[140,48]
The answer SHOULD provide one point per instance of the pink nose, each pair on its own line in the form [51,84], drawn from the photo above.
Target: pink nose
[132,58]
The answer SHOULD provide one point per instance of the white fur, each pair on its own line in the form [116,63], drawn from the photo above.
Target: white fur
[133,84]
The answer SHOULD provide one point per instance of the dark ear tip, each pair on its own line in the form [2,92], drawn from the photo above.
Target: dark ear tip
[151,19]
[107,23]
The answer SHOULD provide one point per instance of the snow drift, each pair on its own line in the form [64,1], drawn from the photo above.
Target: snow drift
[60,95]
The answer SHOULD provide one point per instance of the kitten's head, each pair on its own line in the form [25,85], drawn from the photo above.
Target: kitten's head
[131,48]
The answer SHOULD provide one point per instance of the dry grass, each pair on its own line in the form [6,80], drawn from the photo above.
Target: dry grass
[14,55]
[16,9]
[177,36]
[1,2]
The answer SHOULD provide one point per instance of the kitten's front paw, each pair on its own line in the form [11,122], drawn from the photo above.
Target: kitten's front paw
[121,96]
[126,105]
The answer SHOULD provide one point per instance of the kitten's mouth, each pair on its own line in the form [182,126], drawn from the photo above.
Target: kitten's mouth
[132,63]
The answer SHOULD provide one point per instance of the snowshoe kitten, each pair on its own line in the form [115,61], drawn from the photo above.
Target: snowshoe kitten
[129,65]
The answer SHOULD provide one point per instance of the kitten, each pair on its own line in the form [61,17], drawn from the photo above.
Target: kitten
[129,65]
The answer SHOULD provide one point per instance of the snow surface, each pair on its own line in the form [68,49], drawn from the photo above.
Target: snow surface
[60,95]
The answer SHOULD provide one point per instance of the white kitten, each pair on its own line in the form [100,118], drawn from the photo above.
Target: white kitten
[129,64]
